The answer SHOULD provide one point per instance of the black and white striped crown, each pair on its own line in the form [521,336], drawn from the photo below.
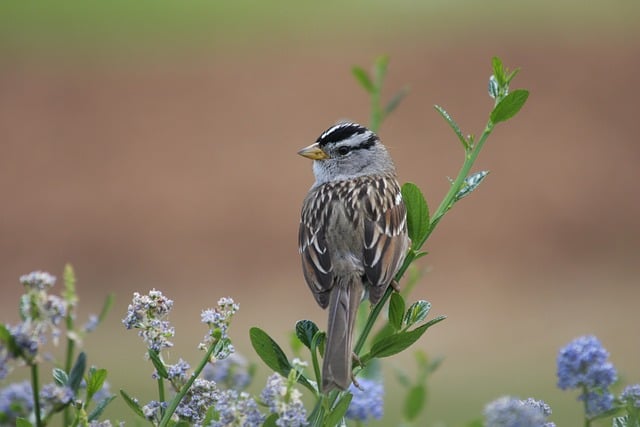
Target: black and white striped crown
[353,134]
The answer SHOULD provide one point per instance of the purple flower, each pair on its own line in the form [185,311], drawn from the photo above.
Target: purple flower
[367,401]
[583,364]
[54,397]
[201,395]
[283,399]
[237,409]
[218,319]
[232,372]
[16,401]
[92,323]
[38,280]
[178,371]
[631,395]
[146,313]
[509,411]
[152,409]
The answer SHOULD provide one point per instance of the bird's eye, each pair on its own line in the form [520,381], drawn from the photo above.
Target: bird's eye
[343,150]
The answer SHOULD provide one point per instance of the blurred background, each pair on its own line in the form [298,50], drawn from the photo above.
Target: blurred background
[153,145]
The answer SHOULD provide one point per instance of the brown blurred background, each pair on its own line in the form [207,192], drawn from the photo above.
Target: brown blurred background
[152,144]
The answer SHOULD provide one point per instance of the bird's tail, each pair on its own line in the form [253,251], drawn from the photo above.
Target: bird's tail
[343,307]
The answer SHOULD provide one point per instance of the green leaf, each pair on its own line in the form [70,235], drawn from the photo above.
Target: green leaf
[512,75]
[77,372]
[161,369]
[269,351]
[21,422]
[417,214]
[476,423]
[337,413]
[271,421]
[453,125]
[100,407]
[396,310]
[509,106]
[363,78]
[211,415]
[305,331]
[395,100]
[415,402]
[380,70]
[106,306]
[499,71]
[95,381]
[394,344]
[417,312]
[60,376]
[9,342]
[133,404]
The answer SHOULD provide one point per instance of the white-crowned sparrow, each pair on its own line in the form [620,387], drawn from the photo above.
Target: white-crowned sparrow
[353,234]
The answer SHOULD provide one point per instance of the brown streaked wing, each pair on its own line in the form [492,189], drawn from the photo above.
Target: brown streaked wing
[316,260]
[386,243]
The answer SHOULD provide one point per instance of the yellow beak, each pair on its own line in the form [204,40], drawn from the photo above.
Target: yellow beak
[313,152]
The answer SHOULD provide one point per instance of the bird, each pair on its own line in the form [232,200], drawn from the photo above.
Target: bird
[352,237]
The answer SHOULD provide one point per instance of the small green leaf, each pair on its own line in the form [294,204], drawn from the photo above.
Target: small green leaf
[417,312]
[95,381]
[9,341]
[380,70]
[396,310]
[509,106]
[77,372]
[269,351]
[499,71]
[161,368]
[21,422]
[337,413]
[363,78]
[512,75]
[414,402]
[133,404]
[60,377]
[417,214]
[271,421]
[394,344]
[305,331]
[395,100]
[100,407]
[476,423]
[106,306]
[456,129]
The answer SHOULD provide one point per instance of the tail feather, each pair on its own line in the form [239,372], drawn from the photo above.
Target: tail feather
[343,307]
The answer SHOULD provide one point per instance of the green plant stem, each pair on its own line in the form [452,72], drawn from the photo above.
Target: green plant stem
[178,397]
[376,110]
[587,421]
[36,398]
[68,362]
[449,199]
[314,360]
[445,205]
[161,395]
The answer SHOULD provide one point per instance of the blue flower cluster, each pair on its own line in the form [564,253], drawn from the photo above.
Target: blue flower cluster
[509,411]
[283,399]
[583,364]
[367,401]
[146,313]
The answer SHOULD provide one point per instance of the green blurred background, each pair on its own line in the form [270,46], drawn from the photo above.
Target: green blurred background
[152,144]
